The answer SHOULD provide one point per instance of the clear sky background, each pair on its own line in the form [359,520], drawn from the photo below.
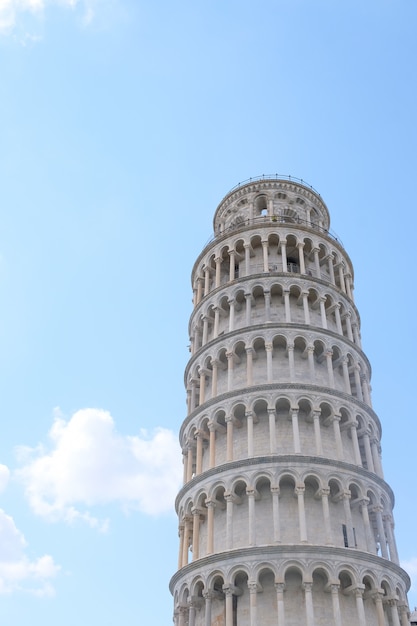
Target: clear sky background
[123,125]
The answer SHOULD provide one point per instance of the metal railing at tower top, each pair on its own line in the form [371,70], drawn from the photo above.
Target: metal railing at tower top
[256,179]
[275,219]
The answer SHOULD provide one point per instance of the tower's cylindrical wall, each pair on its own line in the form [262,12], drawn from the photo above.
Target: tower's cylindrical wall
[284,516]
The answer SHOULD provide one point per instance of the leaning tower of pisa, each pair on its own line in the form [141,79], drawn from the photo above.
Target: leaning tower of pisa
[284,515]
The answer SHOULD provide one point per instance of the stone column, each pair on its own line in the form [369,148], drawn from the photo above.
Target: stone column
[305,307]
[199,289]
[199,453]
[181,615]
[317,262]
[229,497]
[210,504]
[249,422]
[346,375]
[205,330]
[272,432]
[376,458]
[310,356]
[247,258]
[230,364]
[354,435]
[356,336]
[308,595]
[299,491]
[381,531]
[348,516]
[267,298]
[214,375]
[366,390]
[404,615]
[324,493]
[338,319]
[248,298]
[341,277]
[268,350]
[280,588]
[202,395]
[229,438]
[346,317]
[295,431]
[287,306]
[301,261]
[284,256]
[368,453]
[275,513]
[251,512]
[253,590]
[331,268]
[317,432]
[184,464]
[231,304]
[190,462]
[322,301]
[186,543]
[218,262]
[377,596]
[359,604]
[193,401]
[338,437]
[291,364]
[196,532]
[370,541]
[181,546]
[206,281]
[330,371]
[348,280]
[207,608]
[265,255]
[356,371]
[216,322]
[336,605]
[389,524]
[212,444]
[249,366]
[191,614]
[232,265]
[392,603]
[228,605]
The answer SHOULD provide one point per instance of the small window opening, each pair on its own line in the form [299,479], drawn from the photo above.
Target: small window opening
[345,537]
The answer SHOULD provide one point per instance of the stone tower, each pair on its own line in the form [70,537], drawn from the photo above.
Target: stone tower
[284,516]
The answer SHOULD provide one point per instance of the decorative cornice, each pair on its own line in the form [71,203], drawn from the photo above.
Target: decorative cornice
[289,460]
[279,552]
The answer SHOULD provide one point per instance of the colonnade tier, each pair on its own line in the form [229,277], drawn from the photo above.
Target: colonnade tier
[258,300]
[282,500]
[271,585]
[275,355]
[272,250]
[285,422]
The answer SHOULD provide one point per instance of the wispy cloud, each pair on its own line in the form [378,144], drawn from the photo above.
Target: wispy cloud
[15,12]
[87,463]
[17,571]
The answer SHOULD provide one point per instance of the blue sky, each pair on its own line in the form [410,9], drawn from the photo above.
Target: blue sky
[124,123]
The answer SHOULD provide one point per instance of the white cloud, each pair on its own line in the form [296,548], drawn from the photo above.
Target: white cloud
[88,464]
[14,11]
[4,477]
[17,572]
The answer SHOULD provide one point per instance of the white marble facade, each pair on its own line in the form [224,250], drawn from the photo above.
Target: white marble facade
[284,515]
